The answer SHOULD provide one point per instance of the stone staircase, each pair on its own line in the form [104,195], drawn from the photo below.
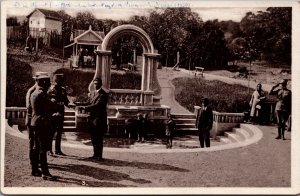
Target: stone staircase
[69,121]
[185,124]
[241,134]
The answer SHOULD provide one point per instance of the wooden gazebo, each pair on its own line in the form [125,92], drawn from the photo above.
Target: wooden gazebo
[87,38]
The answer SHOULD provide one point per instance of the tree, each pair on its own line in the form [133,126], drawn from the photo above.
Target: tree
[12,21]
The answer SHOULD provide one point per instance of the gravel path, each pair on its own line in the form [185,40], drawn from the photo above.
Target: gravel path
[265,164]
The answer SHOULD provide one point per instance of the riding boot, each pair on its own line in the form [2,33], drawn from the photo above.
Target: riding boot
[279,133]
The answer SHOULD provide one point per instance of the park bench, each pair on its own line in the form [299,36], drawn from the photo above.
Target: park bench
[129,67]
[199,71]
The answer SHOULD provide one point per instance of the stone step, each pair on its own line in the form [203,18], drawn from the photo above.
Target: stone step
[183,116]
[186,125]
[69,123]
[69,118]
[69,128]
[69,113]
[247,128]
[223,139]
[184,120]
[233,137]
[187,131]
[241,133]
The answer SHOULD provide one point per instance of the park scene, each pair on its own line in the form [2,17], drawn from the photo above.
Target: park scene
[163,97]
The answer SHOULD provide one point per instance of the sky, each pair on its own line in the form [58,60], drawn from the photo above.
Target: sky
[235,13]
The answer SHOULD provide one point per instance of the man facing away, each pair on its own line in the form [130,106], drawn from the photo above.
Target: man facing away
[42,110]
[283,106]
[35,171]
[204,123]
[98,117]
[58,95]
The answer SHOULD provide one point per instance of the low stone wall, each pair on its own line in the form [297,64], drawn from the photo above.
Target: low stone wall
[223,121]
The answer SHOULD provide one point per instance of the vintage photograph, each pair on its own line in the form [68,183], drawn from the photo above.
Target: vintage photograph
[116,97]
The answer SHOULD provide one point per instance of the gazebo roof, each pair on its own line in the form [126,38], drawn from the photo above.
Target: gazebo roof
[88,37]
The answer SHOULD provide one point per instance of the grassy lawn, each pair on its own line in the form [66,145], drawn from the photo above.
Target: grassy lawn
[223,97]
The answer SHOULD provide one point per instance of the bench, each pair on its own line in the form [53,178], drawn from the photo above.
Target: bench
[199,71]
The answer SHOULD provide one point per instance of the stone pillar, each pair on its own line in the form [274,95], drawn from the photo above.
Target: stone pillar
[103,63]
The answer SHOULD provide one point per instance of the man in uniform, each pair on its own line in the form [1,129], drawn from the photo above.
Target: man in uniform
[35,171]
[98,117]
[58,95]
[204,123]
[42,110]
[283,106]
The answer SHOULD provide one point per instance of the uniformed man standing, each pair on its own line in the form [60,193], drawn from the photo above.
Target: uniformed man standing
[35,171]
[58,95]
[42,110]
[98,118]
[283,106]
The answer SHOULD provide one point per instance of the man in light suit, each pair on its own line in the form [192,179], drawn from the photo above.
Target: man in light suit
[204,123]
[98,117]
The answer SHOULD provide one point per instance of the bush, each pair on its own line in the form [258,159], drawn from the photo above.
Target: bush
[77,82]
[223,97]
[18,81]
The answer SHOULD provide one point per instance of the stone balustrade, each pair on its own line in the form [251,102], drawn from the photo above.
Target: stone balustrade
[15,112]
[125,97]
[223,121]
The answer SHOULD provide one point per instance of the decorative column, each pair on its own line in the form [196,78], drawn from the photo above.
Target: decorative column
[103,62]
[149,69]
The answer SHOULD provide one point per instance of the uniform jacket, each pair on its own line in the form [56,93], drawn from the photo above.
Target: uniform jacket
[204,119]
[42,108]
[28,105]
[97,107]
[59,94]
[284,99]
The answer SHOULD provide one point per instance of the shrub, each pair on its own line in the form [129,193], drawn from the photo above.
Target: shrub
[223,97]
[18,81]
[77,82]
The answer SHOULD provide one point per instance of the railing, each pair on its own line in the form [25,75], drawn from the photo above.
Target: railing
[125,97]
[223,117]
[228,117]
[15,113]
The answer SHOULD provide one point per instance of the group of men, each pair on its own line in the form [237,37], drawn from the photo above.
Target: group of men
[45,116]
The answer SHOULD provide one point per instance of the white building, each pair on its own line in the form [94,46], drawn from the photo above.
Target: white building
[42,22]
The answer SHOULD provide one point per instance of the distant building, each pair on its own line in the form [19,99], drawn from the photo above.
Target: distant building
[43,22]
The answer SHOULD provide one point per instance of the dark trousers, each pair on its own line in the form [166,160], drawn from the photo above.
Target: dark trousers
[39,149]
[57,128]
[97,132]
[282,117]
[33,149]
[204,137]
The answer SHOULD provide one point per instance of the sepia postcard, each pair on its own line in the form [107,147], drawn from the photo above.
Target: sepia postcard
[150,97]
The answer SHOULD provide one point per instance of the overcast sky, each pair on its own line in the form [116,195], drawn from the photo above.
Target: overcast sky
[235,14]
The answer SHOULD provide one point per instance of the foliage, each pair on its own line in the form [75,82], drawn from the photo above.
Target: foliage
[12,21]
[223,97]
[18,81]
[77,82]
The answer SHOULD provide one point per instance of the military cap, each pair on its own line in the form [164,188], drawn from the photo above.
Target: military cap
[58,77]
[283,81]
[40,73]
[205,100]
[41,77]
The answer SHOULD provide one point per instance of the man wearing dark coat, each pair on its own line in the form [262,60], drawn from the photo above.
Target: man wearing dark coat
[42,110]
[35,171]
[58,95]
[98,117]
[204,123]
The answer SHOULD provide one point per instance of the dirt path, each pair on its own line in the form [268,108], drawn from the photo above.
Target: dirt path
[264,164]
